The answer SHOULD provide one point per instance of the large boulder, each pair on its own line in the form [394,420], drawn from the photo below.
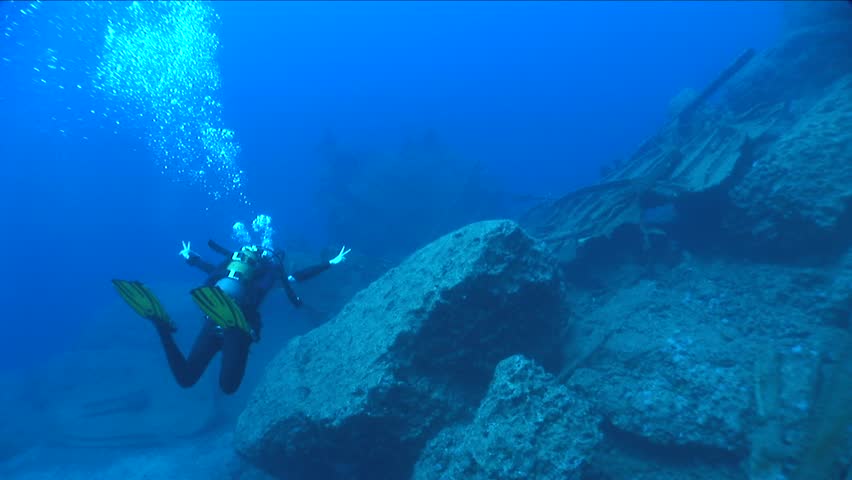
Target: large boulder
[415,351]
[682,367]
[798,190]
[793,193]
[528,426]
[669,370]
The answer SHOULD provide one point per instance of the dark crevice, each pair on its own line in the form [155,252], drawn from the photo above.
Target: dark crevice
[675,455]
[701,229]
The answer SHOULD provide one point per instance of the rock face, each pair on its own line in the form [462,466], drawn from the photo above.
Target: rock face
[670,375]
[766,171]
[796,192]
[800,188]
[682,367]
[361,395]
[527,426]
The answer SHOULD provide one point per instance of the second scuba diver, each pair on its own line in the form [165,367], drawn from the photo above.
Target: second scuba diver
[230,299]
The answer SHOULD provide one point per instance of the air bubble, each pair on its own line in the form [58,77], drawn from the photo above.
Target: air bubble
[150,60]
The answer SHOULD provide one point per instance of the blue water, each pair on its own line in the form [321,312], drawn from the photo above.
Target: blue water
[542,94]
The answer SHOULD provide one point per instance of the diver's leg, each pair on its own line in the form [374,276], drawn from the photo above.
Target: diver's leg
[187,371]
[235,350]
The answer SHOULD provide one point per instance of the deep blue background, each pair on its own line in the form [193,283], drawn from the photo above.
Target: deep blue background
[542,92]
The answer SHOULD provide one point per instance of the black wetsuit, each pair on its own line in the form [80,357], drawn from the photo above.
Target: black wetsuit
[233,342]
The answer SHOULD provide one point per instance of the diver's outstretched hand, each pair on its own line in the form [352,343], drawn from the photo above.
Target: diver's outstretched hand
[186,251]
[340,256]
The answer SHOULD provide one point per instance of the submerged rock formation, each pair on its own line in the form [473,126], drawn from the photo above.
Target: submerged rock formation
[694,343]
[765,170]
[528,426]
[796,194]
[361,395]
[708,357]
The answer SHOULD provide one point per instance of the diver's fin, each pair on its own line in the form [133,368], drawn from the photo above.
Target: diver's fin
[143,301]
[221,308]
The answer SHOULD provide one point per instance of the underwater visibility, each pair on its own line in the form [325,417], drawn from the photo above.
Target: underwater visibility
[426,240]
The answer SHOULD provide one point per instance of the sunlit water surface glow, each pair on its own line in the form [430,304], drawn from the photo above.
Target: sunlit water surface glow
[143,67]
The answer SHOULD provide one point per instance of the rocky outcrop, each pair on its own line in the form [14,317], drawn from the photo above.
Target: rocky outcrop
[669,374]
[528,426]
[677,367]
[693,365]
[764,171]
[414,352]
[798,189]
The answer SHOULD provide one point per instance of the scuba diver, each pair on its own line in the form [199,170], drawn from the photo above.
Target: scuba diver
[230,299]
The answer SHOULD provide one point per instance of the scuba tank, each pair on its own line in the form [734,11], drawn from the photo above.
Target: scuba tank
[242,266]
[240,271]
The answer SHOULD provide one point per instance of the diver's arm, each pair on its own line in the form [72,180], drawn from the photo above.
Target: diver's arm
[308,273]
[194,260]
[305,274]
[288,289]
[219,248]
[313,271]
[291,295]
